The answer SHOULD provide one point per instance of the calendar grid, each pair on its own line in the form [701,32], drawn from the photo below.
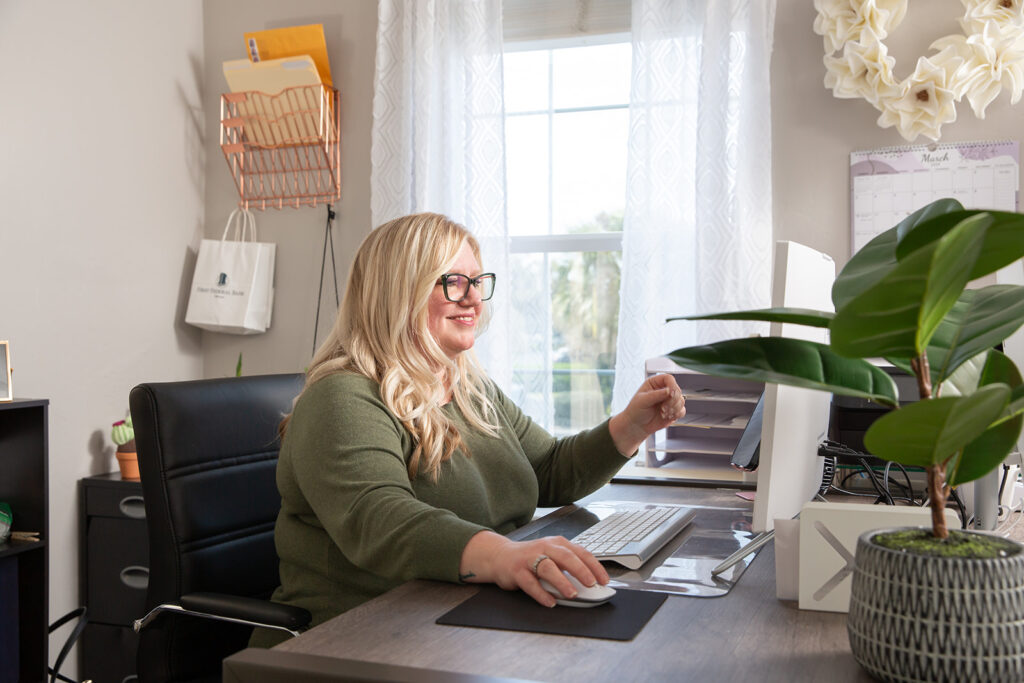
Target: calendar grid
[888,184]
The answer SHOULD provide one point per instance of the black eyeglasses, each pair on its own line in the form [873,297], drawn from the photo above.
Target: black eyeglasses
[456,286]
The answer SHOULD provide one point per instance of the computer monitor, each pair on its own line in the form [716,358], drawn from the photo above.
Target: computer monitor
[982,496]
[794,420]
[1013,346]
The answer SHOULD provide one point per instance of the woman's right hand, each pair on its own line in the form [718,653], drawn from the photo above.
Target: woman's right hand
[492,558]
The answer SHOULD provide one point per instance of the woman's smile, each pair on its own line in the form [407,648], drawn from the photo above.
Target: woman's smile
[453,324]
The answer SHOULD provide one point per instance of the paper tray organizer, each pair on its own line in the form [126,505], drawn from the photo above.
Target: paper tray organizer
[283,149]
[698,447]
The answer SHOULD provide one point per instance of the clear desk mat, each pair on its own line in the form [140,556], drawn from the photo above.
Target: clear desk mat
[683,566]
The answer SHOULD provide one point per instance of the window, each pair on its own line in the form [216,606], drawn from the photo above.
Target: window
[566,125]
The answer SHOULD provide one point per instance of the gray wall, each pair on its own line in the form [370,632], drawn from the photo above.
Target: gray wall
[102,120]
[111,172]
[350,32]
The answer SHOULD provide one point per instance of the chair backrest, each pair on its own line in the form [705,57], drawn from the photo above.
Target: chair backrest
[207,457]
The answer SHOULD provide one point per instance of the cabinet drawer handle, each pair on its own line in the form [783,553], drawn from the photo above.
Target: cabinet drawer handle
[135,577]
[133,506]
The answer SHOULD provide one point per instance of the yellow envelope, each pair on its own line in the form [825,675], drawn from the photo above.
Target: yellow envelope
[291,42]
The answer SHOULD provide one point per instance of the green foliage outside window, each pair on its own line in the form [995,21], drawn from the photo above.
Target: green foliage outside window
[585,317]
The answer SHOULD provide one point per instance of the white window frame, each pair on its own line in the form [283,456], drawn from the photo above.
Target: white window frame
[547,243]
[572,242]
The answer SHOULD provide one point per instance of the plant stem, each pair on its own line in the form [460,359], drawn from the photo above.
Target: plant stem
[924,376]
[938,493]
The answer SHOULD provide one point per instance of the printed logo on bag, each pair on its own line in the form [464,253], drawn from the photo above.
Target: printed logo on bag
[220,291]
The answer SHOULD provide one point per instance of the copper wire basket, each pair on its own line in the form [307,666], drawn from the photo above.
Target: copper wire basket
[284,149]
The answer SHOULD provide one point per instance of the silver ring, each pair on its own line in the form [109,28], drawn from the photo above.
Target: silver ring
[540,558]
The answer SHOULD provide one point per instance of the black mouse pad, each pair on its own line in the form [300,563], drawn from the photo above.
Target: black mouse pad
[621,618]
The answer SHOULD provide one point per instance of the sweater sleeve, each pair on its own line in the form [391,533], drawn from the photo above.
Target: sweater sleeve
[346,451]
[569,468]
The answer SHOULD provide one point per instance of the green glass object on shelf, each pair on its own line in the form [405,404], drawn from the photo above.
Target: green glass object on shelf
[6,519]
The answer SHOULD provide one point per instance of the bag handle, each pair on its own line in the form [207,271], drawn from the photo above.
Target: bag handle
[244,223]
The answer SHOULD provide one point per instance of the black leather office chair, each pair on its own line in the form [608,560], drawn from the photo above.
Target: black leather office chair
[207,455]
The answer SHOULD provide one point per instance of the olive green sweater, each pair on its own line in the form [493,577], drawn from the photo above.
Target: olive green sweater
[353,526]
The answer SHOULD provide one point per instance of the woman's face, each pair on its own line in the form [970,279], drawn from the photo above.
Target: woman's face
[453,325]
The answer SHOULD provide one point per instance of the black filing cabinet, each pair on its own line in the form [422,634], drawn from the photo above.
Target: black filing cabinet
[114,574]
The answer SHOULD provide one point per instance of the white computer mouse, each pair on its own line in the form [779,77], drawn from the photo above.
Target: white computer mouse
[585,596]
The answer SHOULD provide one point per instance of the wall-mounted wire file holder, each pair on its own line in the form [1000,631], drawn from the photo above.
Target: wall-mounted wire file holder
[284,149]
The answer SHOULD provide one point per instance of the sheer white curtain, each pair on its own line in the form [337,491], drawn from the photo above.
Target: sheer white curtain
[698,229]
[438,141]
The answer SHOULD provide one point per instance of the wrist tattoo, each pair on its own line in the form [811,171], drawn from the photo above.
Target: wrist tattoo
[466,577]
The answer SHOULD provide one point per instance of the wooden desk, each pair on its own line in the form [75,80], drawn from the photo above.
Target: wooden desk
[745,635]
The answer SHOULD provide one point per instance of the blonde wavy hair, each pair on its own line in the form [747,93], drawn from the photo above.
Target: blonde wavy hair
[381,332]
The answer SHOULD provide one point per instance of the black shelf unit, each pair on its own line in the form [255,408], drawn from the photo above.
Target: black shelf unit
[24,485]
[113,575]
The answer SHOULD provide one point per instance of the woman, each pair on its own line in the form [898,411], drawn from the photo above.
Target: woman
[402,460]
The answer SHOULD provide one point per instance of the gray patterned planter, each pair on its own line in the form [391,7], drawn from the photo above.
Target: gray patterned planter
[917,618]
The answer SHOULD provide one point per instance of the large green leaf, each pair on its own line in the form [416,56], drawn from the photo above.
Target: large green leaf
[929,432]
[867,267]
[979,320]
[950,272]
[1003,243]
[901,363]
[984,453]
[931,223]
[964,380]
[1016,406]
[878,257]
[795,362]
[900,313]
[797,316]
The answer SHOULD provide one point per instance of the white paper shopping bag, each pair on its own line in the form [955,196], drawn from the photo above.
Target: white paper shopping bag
[233,285]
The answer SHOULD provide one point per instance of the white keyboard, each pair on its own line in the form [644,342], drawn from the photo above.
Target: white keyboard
[631,537]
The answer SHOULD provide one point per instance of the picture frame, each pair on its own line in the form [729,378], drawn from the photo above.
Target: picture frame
[6,390]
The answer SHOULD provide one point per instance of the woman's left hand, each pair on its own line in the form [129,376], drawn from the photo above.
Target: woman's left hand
[657,403]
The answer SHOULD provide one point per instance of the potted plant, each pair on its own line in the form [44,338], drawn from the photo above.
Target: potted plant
[123,434]
[934,603]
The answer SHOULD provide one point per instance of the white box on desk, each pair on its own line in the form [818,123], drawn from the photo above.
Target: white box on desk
[828,543]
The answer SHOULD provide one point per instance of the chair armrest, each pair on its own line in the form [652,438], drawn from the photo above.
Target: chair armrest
[247,609]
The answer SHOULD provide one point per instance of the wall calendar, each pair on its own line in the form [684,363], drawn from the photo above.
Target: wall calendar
[889,184]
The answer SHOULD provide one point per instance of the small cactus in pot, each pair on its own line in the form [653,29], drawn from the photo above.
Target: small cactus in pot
[123,434]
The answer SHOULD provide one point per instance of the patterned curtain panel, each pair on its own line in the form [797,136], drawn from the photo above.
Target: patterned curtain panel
[438,130]
[698,221]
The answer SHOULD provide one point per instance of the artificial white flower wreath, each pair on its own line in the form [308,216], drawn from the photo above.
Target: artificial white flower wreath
[988,57]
